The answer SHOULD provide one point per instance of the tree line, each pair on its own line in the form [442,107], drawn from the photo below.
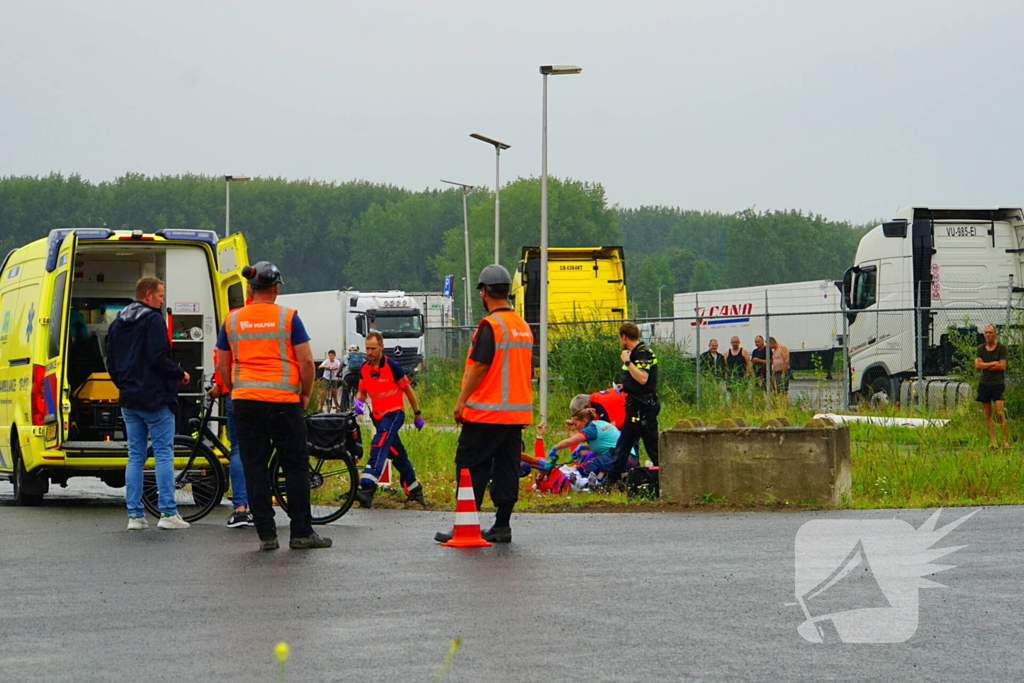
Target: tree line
[376,236]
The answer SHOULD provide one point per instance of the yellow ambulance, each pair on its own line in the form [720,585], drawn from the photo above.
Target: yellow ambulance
[584,284]
[59,416]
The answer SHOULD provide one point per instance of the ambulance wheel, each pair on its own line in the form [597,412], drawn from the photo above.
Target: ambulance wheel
[23,479]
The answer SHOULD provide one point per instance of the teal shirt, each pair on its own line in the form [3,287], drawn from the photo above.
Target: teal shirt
[601,437]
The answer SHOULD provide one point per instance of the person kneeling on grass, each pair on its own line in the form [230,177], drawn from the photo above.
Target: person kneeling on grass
[593,447]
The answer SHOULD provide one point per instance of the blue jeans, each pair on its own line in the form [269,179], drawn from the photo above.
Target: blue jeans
[386,444]
[158,426]
[239,495]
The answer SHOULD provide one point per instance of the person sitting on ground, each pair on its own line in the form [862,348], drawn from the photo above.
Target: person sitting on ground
[600,438]
[593,451]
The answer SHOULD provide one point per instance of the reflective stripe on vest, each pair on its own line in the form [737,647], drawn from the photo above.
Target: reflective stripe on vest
[259,373]
[492,402]
[383,390]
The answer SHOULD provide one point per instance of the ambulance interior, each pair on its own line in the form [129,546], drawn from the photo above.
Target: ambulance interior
[103,283]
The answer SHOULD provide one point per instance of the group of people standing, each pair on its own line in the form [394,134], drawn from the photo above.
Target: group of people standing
[263,361]
[737,364]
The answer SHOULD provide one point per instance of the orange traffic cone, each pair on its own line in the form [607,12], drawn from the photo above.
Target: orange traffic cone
[466,533]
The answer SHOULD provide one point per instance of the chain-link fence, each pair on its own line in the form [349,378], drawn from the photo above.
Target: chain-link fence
[827,358]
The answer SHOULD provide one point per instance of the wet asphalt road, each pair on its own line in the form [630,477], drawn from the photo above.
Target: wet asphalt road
[575,598]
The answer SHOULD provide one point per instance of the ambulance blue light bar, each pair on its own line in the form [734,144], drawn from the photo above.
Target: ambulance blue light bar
[56,238]
[208,236]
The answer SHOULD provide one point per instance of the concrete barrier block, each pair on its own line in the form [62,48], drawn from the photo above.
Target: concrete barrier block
[798,464]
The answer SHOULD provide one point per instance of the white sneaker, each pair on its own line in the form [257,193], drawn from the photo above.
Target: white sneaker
[172,522]
[137,524]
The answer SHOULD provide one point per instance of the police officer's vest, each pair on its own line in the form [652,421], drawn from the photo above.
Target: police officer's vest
[613,403]
[379,384]
[265,367]
[505,396]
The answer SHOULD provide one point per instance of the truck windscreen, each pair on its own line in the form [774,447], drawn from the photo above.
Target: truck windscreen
[397,326]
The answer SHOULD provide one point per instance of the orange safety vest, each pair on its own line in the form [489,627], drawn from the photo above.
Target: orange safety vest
[264,364]
[505,396]
[614,403]
[384,392]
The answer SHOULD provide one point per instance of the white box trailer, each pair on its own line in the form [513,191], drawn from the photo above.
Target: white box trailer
[336,319]
[806,317]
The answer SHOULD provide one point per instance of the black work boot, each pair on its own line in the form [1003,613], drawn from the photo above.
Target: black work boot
[365,496]
[310,542]
[498,534]
[416,496]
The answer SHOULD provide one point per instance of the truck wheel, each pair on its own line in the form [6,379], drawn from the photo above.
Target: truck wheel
[20,479]
[881,392]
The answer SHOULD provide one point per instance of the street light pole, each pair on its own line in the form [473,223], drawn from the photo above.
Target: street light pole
[545,72]
[498,146]
[659,299]
[228,179]
[468,312]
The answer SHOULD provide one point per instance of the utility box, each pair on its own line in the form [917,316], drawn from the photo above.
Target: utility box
[756,464]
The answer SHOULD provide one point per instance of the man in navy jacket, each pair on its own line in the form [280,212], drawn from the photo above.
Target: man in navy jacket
[140,364]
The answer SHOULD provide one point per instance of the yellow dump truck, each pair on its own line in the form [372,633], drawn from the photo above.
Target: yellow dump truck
[584,284]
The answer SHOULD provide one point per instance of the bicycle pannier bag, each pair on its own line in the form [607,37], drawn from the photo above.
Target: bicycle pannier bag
[330,435]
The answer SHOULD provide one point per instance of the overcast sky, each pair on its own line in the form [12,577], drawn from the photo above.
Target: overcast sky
[851,110]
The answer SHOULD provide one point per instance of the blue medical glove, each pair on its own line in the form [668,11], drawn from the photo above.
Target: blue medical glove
[359,406]
[553,454]
[419,422]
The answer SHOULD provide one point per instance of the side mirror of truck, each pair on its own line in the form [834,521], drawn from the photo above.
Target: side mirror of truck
[361,325]
[847,289]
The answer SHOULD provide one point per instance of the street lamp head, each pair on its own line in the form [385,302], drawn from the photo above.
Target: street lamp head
[490,141]
[560,70]
[236,178]
[462,185]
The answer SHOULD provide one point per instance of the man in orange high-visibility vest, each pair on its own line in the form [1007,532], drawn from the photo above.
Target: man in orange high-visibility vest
[265,361]
[496,402]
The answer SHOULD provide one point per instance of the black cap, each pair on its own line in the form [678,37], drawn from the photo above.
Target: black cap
[492,275]
[263,275]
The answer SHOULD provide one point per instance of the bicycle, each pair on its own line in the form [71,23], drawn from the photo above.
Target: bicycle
[333,477]
[330,403]
[200,481]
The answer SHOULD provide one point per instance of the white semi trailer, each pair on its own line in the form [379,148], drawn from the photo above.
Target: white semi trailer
[806,317]
[337,319]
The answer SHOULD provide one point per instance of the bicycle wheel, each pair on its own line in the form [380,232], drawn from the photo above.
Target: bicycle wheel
[332,487]
[198,480]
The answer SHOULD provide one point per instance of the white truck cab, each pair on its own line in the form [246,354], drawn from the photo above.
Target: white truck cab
[947,263]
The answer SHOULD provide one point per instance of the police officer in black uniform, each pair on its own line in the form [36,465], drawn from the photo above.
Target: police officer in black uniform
[640,381]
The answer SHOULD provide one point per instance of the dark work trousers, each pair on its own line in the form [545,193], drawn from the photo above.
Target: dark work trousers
[264,426]
[387,444]
[491,453]
[641,423]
